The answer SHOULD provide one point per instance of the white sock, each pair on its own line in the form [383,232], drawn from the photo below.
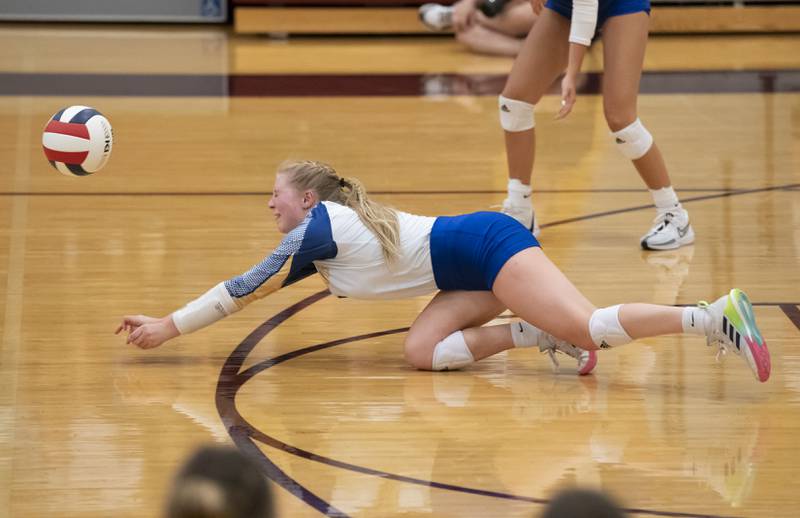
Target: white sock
[694,320]
[524,334]
[518,192]
[665,198]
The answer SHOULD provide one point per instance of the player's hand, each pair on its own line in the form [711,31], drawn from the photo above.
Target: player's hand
[537,6]
[568,96]
[147,332]
[131,322]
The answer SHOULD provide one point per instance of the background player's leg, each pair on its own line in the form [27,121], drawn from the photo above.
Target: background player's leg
[542,58]
[624,43]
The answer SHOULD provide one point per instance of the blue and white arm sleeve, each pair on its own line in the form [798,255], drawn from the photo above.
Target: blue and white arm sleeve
[232,295]
[291,261]
[268,275]
[213,305]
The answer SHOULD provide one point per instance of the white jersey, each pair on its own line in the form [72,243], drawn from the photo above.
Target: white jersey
[333,241]
[359,269]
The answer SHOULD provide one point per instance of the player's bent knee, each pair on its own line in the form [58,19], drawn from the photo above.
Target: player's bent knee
[619,119]
[633,141]
[451,353]
[516,115]
[605,328]
[417,353]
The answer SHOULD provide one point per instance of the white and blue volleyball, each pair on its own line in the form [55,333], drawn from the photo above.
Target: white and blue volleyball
[77,141]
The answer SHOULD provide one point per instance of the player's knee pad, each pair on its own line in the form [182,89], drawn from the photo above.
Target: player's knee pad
[451,353]
[633,141]
[515,115]
[605,328]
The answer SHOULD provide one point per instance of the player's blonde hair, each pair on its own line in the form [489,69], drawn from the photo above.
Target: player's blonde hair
[350,192]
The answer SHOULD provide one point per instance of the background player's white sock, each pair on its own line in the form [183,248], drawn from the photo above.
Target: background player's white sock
[519,193]
[665,198]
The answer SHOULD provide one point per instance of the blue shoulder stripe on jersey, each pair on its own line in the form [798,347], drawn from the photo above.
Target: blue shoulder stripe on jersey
[84,115]
[310,241]
[317,245]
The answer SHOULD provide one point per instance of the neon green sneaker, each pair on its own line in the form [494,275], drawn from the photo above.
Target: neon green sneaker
[733,327]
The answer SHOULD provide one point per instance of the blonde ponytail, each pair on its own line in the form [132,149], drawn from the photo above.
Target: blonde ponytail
[381,220]
[350,192]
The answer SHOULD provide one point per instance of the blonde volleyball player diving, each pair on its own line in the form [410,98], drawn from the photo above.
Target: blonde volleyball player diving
[481,264]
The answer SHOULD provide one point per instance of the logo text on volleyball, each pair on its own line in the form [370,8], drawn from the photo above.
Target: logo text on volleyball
[107,138]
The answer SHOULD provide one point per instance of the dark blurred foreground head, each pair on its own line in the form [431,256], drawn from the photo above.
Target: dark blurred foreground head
[219,482]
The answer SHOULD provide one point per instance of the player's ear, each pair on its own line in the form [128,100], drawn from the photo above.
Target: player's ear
[309,199]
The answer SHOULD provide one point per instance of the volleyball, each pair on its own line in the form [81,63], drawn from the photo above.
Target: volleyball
[77,141]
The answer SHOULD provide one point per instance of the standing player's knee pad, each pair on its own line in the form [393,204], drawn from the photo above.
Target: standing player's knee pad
[515,115]
[451,353]
[605,328]
[633,141]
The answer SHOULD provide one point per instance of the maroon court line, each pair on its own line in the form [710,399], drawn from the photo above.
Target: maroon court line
[373,85]
[792,313]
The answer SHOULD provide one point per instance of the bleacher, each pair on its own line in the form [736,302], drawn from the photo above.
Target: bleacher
[400,16]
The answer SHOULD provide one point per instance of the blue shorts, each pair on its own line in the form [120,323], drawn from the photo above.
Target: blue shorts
[467,252]
[605,10]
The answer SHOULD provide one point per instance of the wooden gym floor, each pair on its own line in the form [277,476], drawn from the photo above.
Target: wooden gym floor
[317,390]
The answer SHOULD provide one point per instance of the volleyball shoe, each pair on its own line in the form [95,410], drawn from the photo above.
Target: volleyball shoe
[436,17]
[671,229]
[732,326]
[552,345]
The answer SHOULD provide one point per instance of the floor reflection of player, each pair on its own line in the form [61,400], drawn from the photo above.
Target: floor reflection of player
[589,445]
[447,428]
[671,269]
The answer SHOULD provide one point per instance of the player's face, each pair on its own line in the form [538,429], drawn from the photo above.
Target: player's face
[287,204]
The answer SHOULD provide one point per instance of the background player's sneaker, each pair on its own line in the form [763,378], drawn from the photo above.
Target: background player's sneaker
[522,213]
[551,345]
[436,17]
[733,327]
[671,229]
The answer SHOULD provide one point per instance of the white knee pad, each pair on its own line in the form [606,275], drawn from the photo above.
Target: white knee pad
[633,141]
[515,115]
[451,353]
[605,328]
